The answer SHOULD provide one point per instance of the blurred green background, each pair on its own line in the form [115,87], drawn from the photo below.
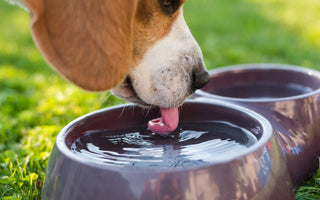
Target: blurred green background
[35,102]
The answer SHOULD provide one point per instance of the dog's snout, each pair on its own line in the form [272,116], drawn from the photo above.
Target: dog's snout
[200,79]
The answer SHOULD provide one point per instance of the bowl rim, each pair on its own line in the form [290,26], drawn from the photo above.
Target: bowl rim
[262,66]
[61,145]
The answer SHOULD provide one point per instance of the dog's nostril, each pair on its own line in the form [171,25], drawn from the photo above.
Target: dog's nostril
[200,79]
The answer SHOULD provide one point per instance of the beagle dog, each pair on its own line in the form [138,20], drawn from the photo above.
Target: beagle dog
[141,50]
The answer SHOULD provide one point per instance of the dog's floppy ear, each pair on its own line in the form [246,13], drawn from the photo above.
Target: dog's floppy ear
[88,41]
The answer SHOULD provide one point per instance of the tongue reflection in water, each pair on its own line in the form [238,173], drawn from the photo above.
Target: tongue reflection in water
[167,123]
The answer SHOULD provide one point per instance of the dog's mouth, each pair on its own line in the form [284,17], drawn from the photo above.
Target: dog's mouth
[128,93]
[169,119]
[167,123]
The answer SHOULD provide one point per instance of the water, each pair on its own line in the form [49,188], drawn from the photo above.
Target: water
[262,90]
[192,144]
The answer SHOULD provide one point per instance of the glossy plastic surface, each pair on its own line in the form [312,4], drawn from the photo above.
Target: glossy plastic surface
[295,118]
[258,173]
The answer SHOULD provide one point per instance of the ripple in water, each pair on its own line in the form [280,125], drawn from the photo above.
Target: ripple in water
[192,144]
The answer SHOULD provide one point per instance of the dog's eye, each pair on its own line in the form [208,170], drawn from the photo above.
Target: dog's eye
[170,6]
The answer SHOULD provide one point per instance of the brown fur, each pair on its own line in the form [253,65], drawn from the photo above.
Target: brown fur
[94,43]
[150,25]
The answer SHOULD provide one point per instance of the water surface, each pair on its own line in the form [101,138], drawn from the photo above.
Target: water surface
[192,144]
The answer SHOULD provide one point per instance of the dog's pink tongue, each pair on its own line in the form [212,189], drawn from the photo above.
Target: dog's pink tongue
[167,123]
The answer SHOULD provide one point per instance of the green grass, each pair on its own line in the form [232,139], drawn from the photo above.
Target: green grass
[35,102]
[254,31]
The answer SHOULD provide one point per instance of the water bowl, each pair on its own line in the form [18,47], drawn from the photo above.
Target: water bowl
[287,96]
[219,151]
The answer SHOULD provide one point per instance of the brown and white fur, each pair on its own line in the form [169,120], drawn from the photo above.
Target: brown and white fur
[141,49]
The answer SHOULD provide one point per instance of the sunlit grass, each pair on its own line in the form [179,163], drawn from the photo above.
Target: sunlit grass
[253,31]
[34,107]
[35,102]
[301,16]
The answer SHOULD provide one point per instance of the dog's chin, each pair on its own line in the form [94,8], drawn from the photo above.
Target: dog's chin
[127,92]
[137,101]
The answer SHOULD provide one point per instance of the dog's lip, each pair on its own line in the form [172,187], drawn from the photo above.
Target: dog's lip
[131,94]
[169,119]
[134,97]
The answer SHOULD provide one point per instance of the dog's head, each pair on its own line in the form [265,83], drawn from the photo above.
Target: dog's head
[142,49]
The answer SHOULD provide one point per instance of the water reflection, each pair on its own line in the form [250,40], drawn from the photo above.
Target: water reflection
[193,144]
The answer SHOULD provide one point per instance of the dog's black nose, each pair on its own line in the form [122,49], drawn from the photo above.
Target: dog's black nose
[200,79]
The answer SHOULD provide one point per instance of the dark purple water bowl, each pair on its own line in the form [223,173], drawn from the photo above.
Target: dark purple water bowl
[287,96]
[220,151]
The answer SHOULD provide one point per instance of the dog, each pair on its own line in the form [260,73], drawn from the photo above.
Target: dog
[141,50]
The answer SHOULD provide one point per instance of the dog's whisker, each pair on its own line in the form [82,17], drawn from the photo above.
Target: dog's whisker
[133,109]
[105,99]
[148,110]
[122,111]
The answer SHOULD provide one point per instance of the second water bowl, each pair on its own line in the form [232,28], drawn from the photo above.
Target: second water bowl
[288,96]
